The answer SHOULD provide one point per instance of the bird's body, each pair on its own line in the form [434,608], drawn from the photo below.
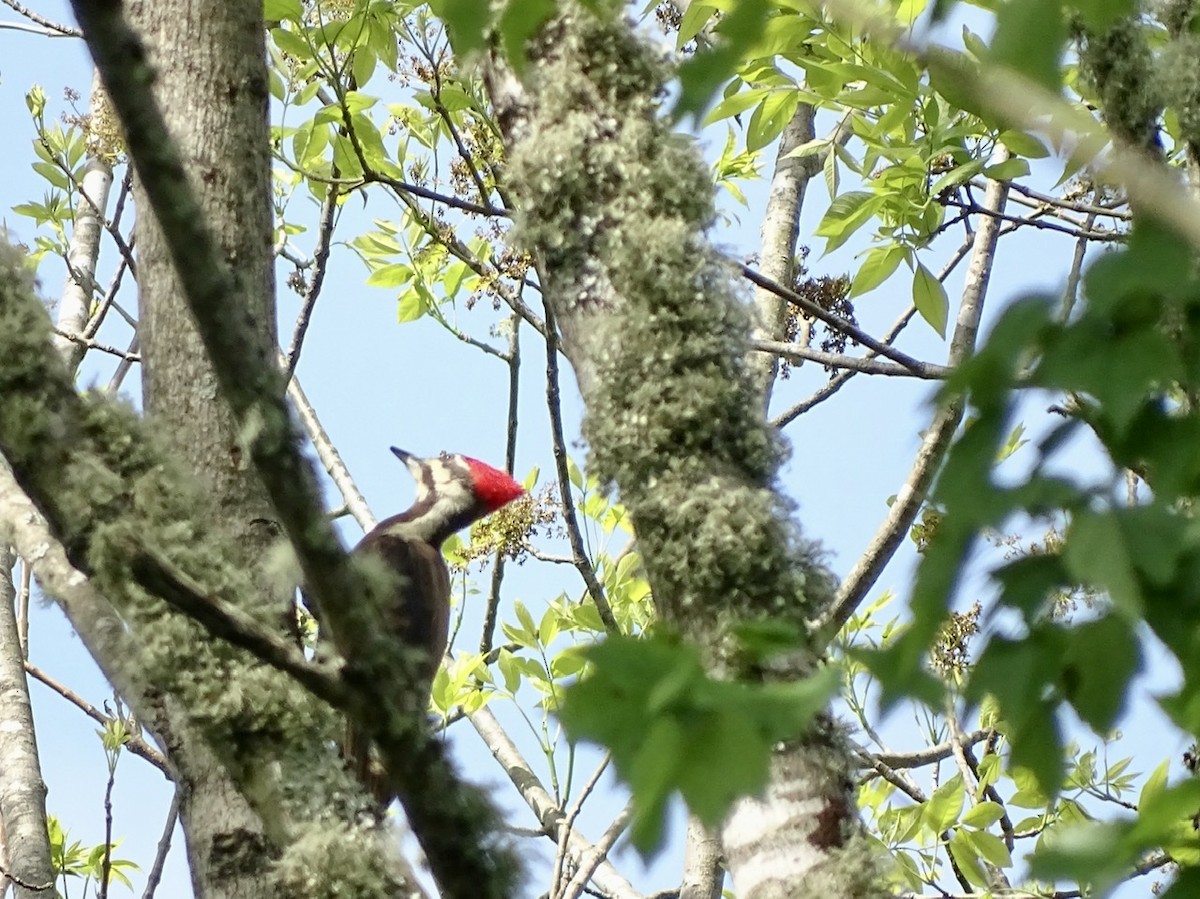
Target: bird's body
[453,491]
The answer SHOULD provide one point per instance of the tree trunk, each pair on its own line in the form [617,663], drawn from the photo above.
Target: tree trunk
[22,790]
[211,84]
[614,209]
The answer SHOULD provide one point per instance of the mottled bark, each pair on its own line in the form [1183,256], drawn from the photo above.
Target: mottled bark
[777,242]
[284,773]
[211,85]
[22,790]
[614,209]
[74,307]
[210,82]
[703,867]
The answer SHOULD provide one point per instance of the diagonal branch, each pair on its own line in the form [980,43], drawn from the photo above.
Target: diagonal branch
[940,432]
[832,319]
[579,557]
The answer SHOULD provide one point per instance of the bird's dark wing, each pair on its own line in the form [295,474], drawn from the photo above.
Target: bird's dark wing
[416,614]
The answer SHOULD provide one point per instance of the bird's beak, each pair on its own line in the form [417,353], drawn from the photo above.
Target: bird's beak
[415,465]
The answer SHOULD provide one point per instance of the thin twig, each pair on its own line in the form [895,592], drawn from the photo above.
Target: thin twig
[832,319]
[869,366]
[1075,275]
[491,609]
[838,381]
[435,66]
[135,744]
[49,24]
[106,861]
[110,295]
[609,881]
[586,866]
[89,343]
[316,280]
[154,876]
[1090,208]
[1036,221]
[927,756]
[569,824]
[937,437]
[23,591]
[574,536]
[123,366]
[233,625]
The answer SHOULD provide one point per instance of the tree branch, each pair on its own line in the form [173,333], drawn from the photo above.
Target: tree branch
[833,320]
[795,351]
[940,432]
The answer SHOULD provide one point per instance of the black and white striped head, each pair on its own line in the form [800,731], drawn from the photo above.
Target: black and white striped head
[452,492]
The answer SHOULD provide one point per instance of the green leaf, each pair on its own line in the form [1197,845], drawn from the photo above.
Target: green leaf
[362,65]
[702,75]
[846,215]
[770,118]
[695,17]
[736,104]
[880,264]
[275,10]
[411,307]
[390,275]
[1022,143]
[1102,657]
[292,44]
[1029,39]
[671,728]
[990,847]
[466,22]
[1096,553]
[1098,15]
[967,858]
[929,296]
[944,806]
[1007,170]
[984,814]
[520,21]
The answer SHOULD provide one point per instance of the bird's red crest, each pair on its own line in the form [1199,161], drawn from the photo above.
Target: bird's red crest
[493,487]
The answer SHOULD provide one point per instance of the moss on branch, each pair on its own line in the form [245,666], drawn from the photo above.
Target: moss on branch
[616,206]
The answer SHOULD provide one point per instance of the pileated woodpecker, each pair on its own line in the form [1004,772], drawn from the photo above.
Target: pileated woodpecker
[452,492]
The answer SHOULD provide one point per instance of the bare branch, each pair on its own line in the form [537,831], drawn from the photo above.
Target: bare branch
[452,820]
[315,282]
[574,536]
[136,743]
[541,803]
[777,239]
[55,29]
[924,370]
[154,875]
[941,430]
[834,321]
[231,624]
[513,358]
[22,789]
[839,380]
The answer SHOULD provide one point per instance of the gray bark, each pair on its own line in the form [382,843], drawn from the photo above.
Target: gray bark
[22,791]
[74,307]
[777,242]
[211,85]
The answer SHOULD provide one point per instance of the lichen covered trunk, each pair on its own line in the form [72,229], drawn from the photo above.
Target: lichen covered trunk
[614,207]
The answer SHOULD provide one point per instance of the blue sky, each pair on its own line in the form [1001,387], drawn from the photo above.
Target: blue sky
[375,383]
